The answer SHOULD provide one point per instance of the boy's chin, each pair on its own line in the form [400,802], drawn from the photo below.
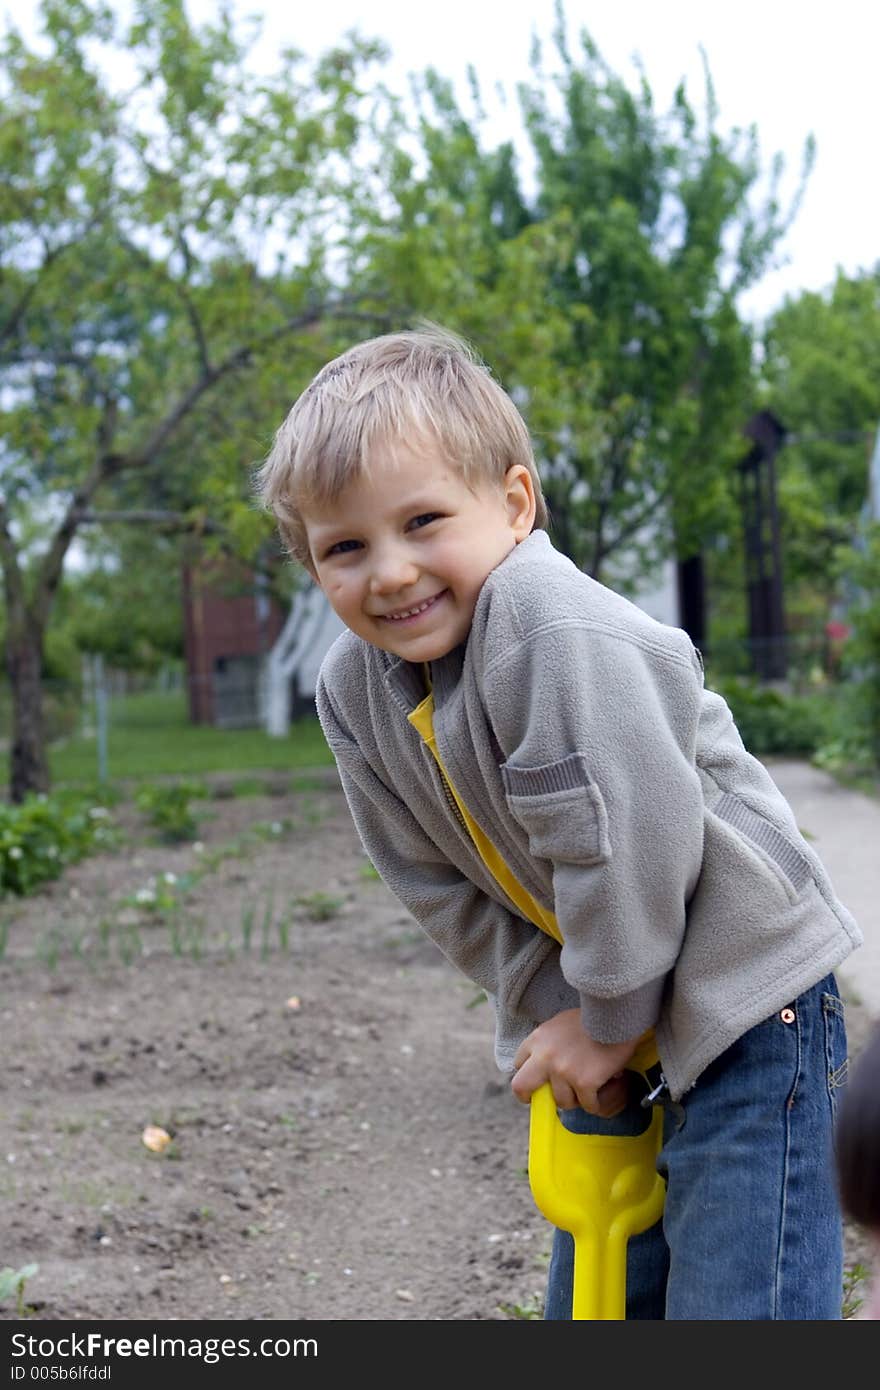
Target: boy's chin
[420,652]
[420,657]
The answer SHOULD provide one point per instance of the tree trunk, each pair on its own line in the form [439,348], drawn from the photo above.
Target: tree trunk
[28,762]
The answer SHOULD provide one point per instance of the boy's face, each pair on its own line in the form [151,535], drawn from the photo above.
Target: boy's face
[403,552]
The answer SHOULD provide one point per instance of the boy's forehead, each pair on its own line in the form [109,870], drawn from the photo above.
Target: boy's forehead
[392,474]
[416,450]
[406,464]
[391,477]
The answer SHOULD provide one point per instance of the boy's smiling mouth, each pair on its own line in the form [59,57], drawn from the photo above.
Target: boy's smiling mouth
[401,615]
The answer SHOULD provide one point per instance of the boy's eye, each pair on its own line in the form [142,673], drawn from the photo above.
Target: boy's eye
[424,520]
[342,547]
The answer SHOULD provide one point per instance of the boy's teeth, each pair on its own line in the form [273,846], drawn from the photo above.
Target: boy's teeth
[409,612]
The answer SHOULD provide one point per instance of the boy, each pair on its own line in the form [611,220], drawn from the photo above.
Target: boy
[537,772]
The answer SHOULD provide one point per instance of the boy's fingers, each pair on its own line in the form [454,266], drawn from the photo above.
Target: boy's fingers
[523,1053]
[612,1097]
[563,1095]
[606,1101]
[527,1078]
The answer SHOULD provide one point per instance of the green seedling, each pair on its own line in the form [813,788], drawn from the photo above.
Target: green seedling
[481,997]
[854,1276]
[531,1310]
[12,1282]
[320,907]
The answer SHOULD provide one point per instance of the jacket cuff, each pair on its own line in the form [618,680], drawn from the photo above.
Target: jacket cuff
[623,1018]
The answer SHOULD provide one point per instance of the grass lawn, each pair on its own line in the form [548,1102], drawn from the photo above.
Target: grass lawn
[149,736]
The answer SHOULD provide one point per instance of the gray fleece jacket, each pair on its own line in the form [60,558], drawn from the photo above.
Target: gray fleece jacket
[580,737]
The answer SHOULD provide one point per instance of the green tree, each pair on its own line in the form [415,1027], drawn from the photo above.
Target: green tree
[125,603]
[667,230]
[458,246]
[604,283]
[169,221]
[821,376]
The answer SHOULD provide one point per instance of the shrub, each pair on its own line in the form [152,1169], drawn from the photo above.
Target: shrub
[862,659]
[44,834]
[772,722]
[167,808]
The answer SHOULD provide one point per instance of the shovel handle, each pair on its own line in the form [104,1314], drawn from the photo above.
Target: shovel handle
[602,1189]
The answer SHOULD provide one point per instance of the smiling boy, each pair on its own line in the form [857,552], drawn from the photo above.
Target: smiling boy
[539,774]
[403,552]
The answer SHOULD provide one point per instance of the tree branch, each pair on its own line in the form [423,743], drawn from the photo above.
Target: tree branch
[189,306]
[17,312]
[104,467]
[632,527]
[171,521]
[232,362]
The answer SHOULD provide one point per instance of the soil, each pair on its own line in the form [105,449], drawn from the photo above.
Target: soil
[341,1143]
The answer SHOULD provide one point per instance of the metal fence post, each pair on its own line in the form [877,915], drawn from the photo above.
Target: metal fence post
[101,715]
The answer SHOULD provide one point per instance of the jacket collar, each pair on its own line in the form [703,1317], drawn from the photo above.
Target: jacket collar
[405,680]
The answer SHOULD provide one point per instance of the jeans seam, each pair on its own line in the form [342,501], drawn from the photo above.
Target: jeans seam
[833,1008]
[783,1210]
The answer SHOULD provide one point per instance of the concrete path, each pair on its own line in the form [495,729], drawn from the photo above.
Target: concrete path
[844,828]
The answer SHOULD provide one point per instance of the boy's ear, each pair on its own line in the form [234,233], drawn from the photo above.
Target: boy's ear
[519,493]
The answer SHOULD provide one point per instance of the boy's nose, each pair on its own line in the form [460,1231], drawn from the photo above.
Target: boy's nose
[392,569]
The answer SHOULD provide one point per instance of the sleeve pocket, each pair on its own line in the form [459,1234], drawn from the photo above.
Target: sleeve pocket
[561,810]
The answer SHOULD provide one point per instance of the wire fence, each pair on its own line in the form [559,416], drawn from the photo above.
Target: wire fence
[797,662]
[109,697]
[104,700]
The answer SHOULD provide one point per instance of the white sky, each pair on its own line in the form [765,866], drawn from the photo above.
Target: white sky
[788,66]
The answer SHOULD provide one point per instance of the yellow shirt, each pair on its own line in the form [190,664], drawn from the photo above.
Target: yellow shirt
[422,720]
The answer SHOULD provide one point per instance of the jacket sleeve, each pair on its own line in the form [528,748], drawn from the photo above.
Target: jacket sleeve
[598,732]
[515,962]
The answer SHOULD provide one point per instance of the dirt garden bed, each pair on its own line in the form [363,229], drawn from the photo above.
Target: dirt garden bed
[341,1144]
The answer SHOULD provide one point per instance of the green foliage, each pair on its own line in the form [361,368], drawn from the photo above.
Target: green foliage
[42,835]
[126,606]
[772,722]
[321,907]
[12,1282]
[150,736]
[530,1311]
[269,926]
[163,894]
[168,808]
[143,327]
[149,346]
[605,299]
[856,749]
[821,376]
[856,1281]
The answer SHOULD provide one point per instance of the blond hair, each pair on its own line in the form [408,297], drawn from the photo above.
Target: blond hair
[423,385]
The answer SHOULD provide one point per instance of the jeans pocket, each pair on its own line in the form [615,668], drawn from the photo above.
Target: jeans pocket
[836,1059]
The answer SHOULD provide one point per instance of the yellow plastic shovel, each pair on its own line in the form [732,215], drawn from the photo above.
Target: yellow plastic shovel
[601,1188]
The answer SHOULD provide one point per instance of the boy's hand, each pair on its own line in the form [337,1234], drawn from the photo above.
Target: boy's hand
[580,1071]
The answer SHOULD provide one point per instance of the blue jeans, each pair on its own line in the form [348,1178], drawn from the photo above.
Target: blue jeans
[751,1227]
